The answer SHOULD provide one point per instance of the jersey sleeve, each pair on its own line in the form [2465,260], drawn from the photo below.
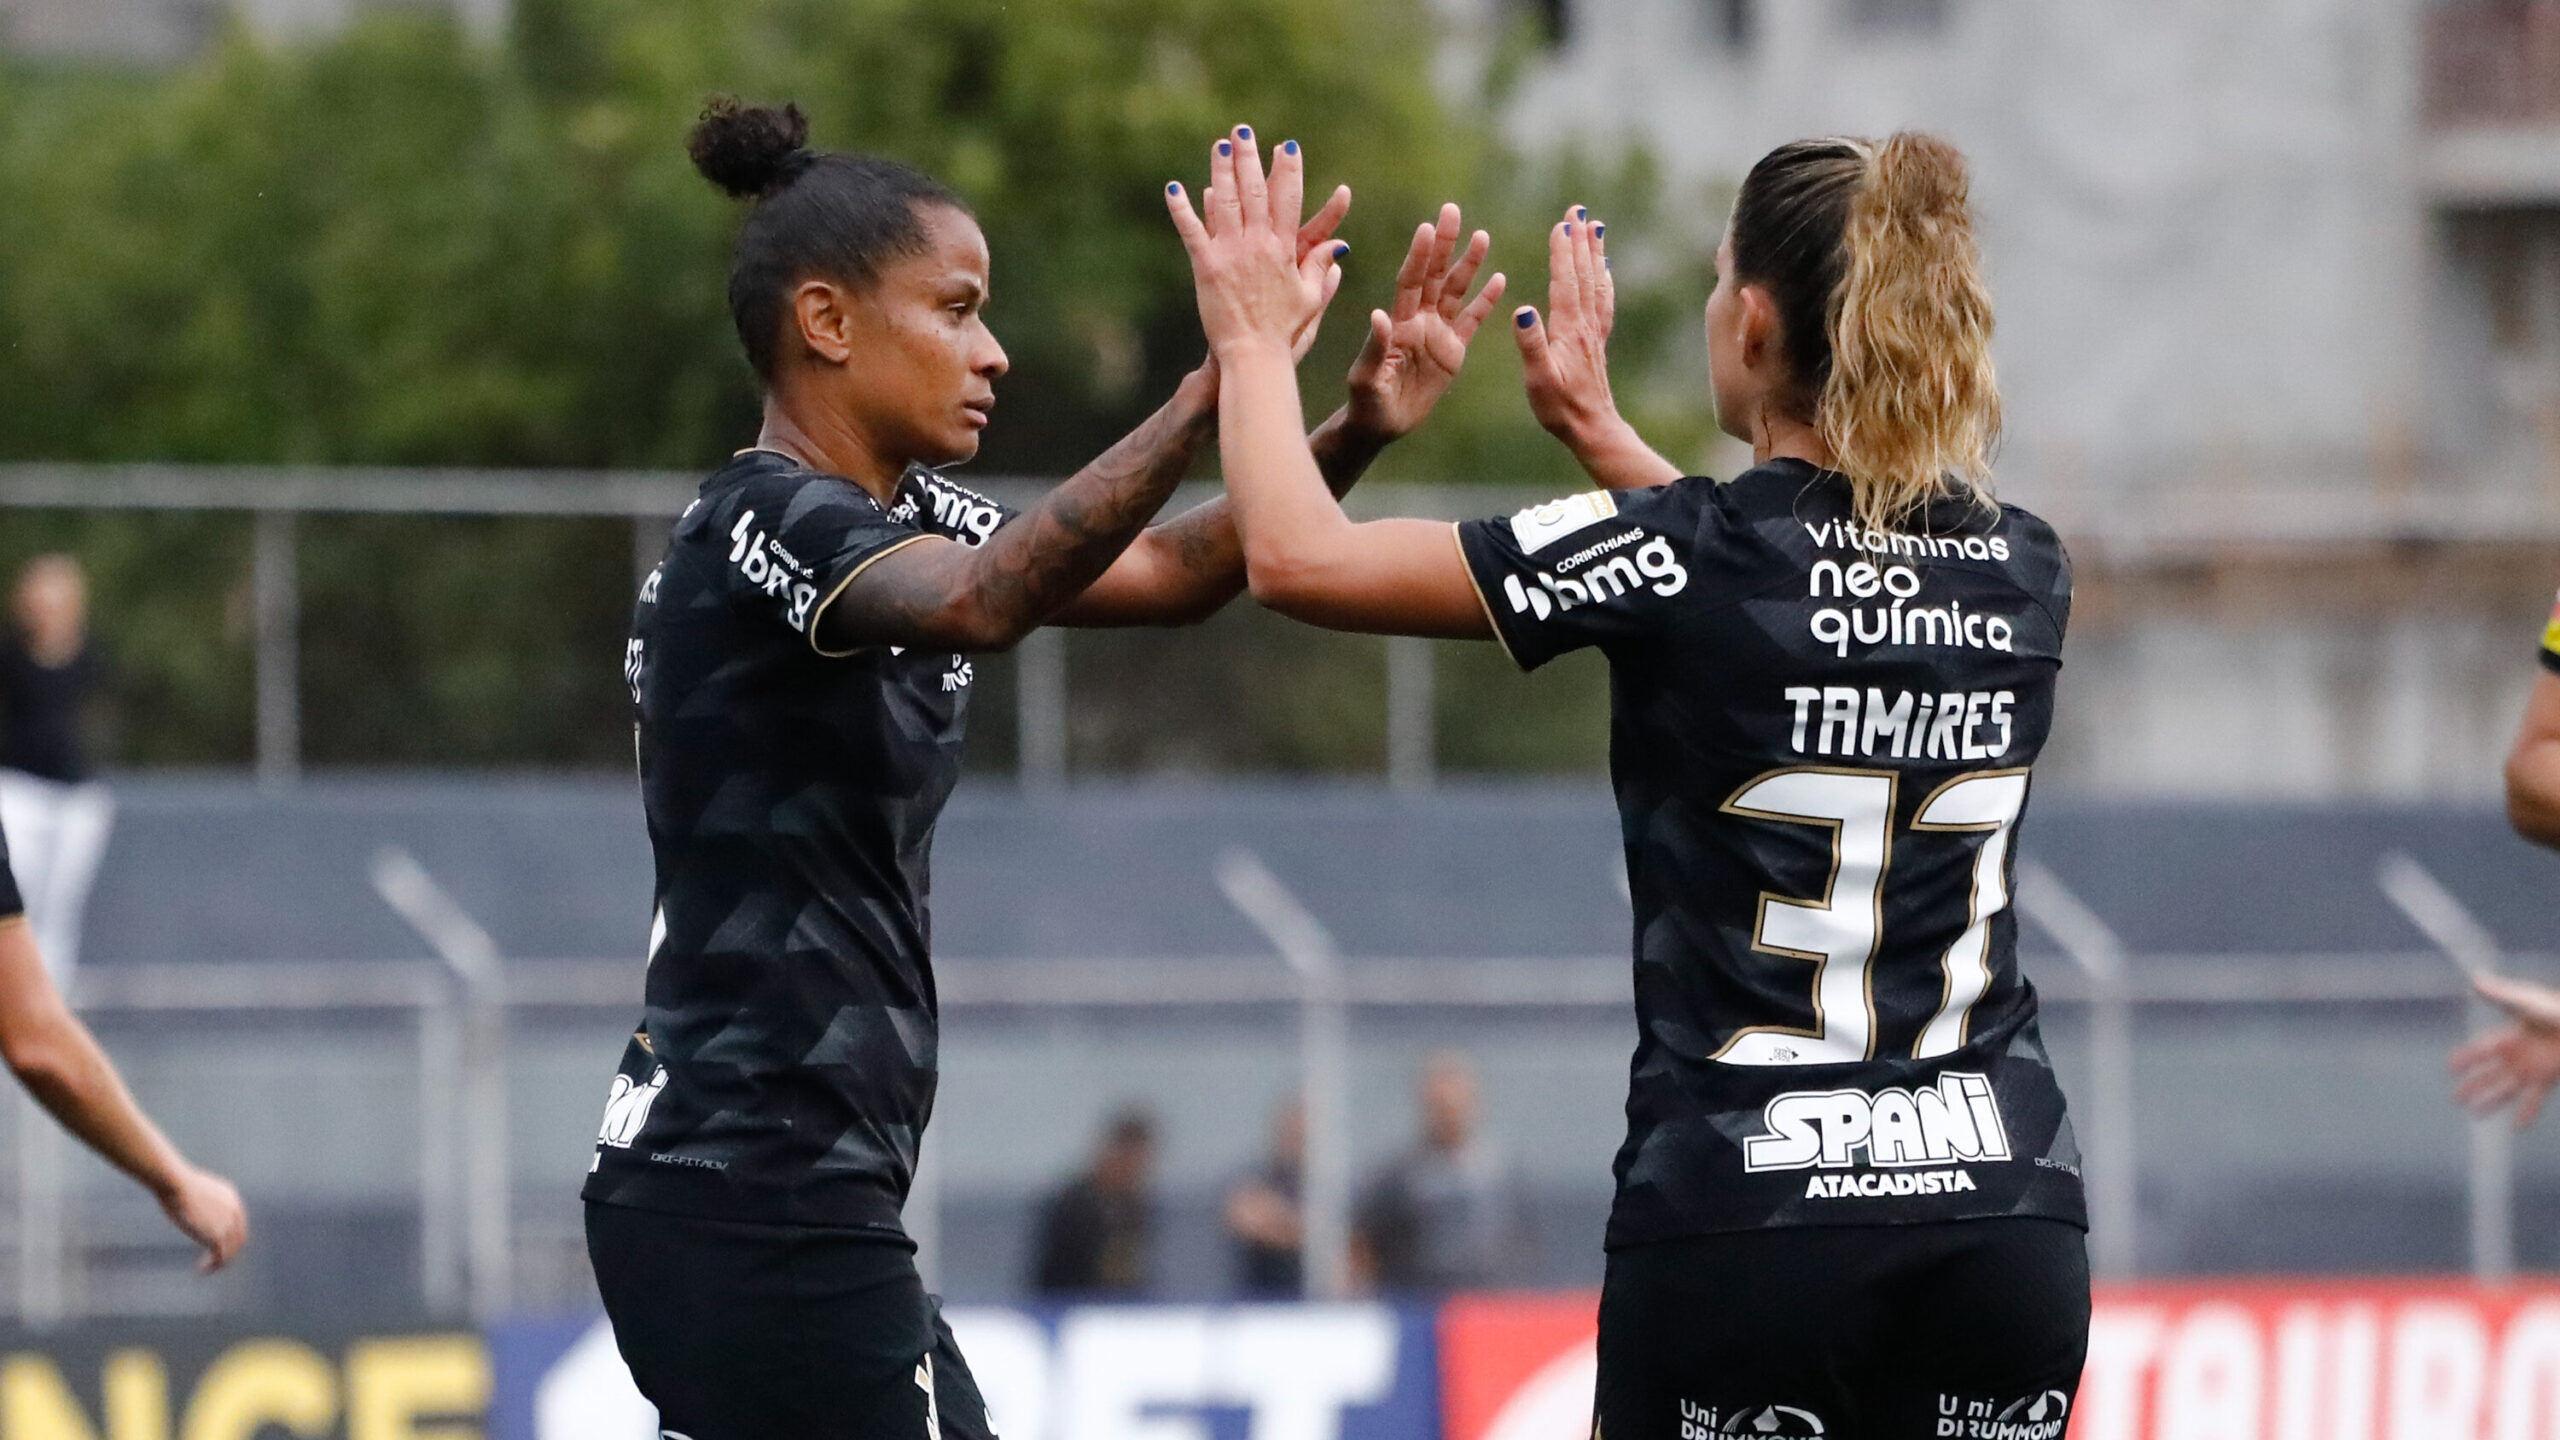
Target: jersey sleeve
[10,904]
[2550,652]
[794,541]
[1589,569]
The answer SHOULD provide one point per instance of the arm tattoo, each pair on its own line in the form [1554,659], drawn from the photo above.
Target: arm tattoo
[1203,541]
[992,595]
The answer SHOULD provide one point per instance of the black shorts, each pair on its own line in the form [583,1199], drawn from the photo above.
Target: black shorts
[1963,1330]
[779,1332]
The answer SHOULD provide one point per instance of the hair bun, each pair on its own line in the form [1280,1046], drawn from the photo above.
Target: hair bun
[749,150]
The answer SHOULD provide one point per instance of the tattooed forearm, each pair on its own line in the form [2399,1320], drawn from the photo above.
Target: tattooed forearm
[1202,542]
[990,596]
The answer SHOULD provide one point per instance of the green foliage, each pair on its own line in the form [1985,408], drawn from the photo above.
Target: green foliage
[398,246]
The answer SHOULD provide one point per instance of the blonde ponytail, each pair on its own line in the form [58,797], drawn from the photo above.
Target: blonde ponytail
[1868,251]
[1911,408]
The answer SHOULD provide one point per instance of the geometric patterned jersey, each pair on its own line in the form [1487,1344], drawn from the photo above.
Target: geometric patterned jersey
[784,1066]
[1822,737]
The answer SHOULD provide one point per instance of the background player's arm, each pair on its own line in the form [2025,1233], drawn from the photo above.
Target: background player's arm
[1303,556]
[2533,766]
[59,1062]
[1564,361]
[1183,571]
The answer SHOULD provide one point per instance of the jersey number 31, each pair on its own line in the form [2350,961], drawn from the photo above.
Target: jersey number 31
[1841,932]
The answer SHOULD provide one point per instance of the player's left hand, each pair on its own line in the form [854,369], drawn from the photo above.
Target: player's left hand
[1415,350]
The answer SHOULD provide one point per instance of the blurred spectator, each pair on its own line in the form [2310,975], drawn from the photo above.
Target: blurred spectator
[1444,1216]
[1097,1235]
[1262,1213]
[59,816]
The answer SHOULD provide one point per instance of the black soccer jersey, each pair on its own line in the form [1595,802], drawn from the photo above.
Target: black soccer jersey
[10,904]
[784,1068]
[1821,747]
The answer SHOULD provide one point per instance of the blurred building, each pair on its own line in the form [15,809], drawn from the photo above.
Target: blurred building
[2279,291]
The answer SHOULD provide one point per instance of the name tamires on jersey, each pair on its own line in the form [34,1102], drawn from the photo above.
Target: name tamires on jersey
[785,1064]
[1821,746]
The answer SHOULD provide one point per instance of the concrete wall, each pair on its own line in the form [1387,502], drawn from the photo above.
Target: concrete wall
[2203,220]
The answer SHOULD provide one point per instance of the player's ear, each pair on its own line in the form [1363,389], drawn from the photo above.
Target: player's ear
[822,312]
[1755,316]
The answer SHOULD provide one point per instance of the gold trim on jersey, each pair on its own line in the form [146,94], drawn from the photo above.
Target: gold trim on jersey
[868,561]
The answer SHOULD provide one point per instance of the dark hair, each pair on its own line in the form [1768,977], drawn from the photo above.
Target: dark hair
[829,213]
[1867,248]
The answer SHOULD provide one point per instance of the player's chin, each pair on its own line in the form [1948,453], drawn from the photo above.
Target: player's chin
[956,445]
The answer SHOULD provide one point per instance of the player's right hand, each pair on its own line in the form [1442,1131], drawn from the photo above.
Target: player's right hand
[207,1210]
[1564,356]
[1257,285]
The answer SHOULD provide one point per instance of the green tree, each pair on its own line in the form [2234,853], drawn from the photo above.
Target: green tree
[398,246]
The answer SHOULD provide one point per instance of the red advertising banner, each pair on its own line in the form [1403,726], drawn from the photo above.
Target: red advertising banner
[2302,1360]
[2222,1360]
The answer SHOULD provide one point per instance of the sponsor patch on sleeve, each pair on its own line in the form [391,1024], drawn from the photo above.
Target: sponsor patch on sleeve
[1540,526]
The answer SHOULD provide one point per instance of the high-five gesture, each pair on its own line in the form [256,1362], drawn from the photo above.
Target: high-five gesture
[1256,286]
[1416,349]
[1565,361]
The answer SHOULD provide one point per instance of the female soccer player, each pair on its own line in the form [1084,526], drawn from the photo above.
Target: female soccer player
[1849,1203]
[59,1062]
[800,667]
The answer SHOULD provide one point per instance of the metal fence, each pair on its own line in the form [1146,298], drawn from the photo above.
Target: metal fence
[477,1254]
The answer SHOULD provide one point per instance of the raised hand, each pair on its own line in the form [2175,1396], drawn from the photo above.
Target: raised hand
[1415,350]
[1257,285]
[1564,359]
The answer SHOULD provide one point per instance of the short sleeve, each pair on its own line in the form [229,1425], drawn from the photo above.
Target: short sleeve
[1589,569]
[2550,652]
[10,904]
[792,541]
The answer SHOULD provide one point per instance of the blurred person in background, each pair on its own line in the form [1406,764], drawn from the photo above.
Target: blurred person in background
[59,1062]
[2516,1064]
[1264,1226]
[1849,1200]
[799,666]
[1444,1215]
[49,799]
[1097,1236]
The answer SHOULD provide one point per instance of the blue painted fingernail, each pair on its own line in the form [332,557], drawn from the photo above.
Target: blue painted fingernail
[1289,147]
[1599,230]
[1528,318]
[1225,149]
[1581,214]
[1568,227]
[1244,132]
[1174,189]
[1341,248]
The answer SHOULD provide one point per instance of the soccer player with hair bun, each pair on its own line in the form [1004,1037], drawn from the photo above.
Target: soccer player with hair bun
[800,668]
[1849,1202]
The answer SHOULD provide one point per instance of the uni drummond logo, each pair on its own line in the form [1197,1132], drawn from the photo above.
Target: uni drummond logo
[2037,1417]
[1763,1422]
[1958,1119]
